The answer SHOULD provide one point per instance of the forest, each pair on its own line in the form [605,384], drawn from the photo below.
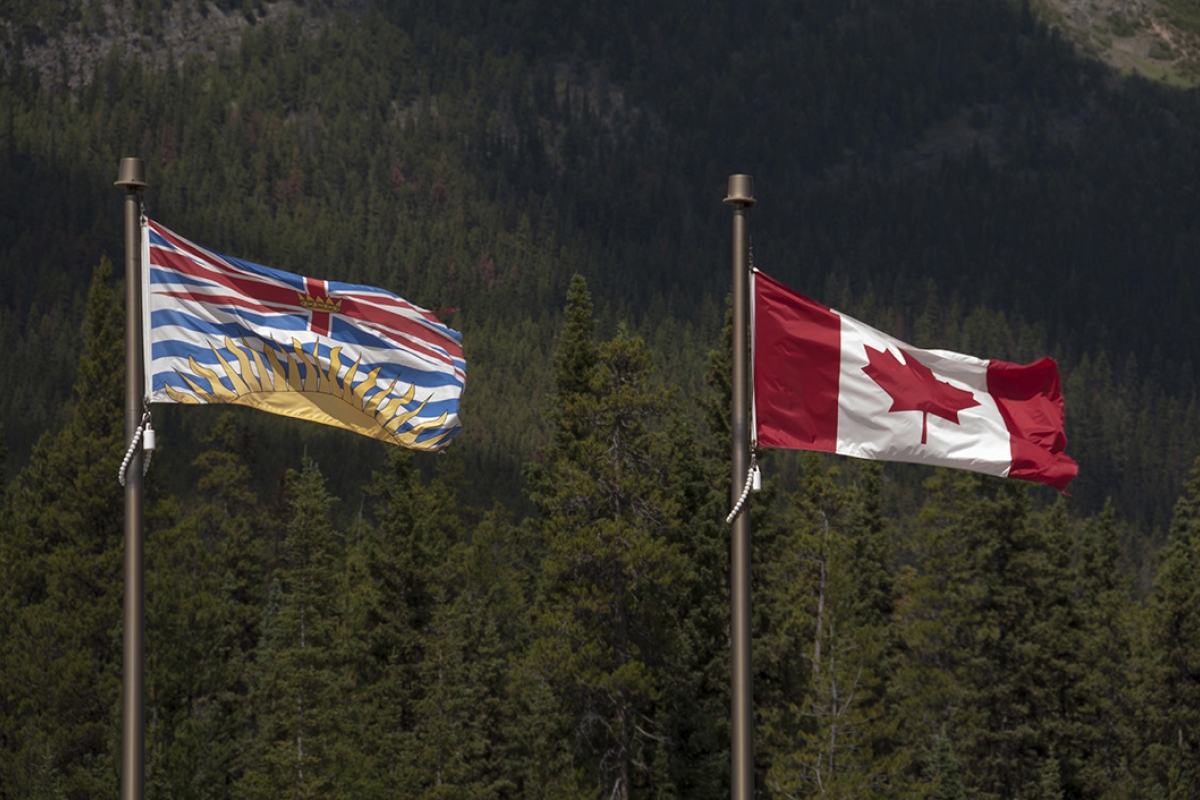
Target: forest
[542,611]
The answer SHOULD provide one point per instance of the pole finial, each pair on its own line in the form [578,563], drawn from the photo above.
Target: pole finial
[741,191]
[132,174]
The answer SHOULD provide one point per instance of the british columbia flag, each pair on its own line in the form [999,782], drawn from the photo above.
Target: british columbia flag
[222,330]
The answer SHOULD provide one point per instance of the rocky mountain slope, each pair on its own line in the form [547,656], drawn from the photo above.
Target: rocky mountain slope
[1158,39]
[1153,38]
[64,48]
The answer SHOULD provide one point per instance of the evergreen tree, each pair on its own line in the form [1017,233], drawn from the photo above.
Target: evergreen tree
[990,632]
[1169,694]
[695,702]
[304,720]
[947,772]
[834,734]
[540,735]
[392,592]
[463,713]
[206,580]
[1102,699]
[456,160]
[440,619]
[778,668]
[606,616]
[62,580]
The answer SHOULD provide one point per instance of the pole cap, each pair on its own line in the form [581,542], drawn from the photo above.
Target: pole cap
[741,191]
[132,174]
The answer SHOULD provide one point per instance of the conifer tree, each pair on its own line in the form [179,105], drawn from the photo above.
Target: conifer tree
[392,591]
[777,672]
[990,632]
[460,744]
[62,589]
[833,734]
[438,619]
[931,616]
[606,616]
[1169,694]
[207,588]
[947,773]
[695,702]
[304,723]
[494,575]
[1102,697]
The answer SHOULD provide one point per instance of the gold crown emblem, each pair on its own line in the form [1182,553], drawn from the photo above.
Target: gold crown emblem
[320,304]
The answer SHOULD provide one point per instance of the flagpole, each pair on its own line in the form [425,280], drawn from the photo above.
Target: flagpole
[132,178]
[741,198]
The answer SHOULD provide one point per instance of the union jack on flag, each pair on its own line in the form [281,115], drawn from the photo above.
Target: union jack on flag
[221,330]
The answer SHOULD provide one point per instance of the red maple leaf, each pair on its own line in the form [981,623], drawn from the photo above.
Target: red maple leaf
[913,387]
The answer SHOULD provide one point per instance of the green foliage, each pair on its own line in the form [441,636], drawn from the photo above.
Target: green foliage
[1103,696]
[475,160]
[831,610]
[607,618]
[299,682]
[947,772]
[964,638]
[1122,25]
[985,647]
[1169,696]
[62,589]
[1161,52]
[1184,13]
[206,589]
[991,632]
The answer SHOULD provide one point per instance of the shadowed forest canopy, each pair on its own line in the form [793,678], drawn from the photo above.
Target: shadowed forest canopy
[957,174]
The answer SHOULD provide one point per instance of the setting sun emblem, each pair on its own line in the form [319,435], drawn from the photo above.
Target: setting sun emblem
[299,385]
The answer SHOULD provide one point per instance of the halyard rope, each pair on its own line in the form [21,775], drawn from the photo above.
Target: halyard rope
[745,491]
[137,438]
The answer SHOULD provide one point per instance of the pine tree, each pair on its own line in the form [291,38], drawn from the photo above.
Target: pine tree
[991,632]
[931,615]
[1102,697]
[438,620]
[460,717]
[206,580]
[947,772]
[1169,694]
[606,616]
[392,591]
[304,743]
[695,702]
[833,734]
[62,583]
[778,670]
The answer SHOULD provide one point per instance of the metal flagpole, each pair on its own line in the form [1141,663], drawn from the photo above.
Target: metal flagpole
[132,177]
[741,198]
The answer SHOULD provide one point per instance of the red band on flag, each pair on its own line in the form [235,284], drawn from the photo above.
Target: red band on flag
[319,320]
[797,364]
[1030,401]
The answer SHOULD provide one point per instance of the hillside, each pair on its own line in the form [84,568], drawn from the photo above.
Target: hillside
[1157,39]
[66,42]
[543,611]
[906,154]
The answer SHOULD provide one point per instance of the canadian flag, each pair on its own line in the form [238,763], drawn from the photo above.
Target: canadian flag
[825,381]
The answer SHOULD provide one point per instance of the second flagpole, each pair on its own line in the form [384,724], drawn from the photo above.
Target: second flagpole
[131,177]
[741,198]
